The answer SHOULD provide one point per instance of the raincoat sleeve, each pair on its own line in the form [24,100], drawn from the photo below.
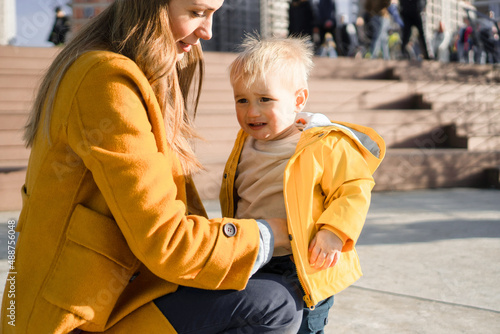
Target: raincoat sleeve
[346,184]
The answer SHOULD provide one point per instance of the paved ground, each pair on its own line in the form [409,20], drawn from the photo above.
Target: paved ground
[431,262]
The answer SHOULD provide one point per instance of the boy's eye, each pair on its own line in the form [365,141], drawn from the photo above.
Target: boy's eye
[241,101]
[265,99]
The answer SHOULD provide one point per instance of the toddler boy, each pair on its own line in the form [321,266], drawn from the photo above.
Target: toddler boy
[319,178]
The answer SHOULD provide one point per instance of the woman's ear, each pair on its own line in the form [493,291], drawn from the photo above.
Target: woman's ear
[301,97]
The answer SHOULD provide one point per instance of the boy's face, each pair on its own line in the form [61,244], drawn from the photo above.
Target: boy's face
[265,111]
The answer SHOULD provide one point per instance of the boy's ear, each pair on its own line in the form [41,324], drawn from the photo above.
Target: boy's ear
[301,97]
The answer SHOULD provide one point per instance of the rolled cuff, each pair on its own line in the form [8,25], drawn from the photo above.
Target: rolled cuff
[266,245]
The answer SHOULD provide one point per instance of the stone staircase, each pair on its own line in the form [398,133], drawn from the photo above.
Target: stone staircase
[441,131]
[441,123]
[20,73]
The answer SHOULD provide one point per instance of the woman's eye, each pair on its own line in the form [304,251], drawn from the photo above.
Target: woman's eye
[198,14]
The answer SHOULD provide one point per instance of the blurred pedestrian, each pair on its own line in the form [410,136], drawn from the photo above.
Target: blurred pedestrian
[441,43]
[393,9]
[348,44]
[380,23]
[411,13]
[465,41]
[61,27]
[363,39]
[328,48]
[325,12]
[301,18]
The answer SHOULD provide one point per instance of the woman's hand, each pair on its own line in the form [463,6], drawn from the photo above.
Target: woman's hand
[280,232]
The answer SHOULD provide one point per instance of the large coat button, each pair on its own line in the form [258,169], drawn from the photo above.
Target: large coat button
[229,230]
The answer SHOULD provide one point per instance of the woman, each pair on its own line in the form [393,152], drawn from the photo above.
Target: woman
[113,237]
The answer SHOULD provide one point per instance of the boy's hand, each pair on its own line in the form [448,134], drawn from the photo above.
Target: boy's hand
[324,250]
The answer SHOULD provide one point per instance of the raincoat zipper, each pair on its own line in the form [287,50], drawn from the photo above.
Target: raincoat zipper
[307,295]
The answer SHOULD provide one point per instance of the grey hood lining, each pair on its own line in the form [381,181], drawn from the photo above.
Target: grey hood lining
[365,140]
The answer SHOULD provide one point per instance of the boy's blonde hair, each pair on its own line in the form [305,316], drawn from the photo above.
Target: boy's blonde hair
[288,58]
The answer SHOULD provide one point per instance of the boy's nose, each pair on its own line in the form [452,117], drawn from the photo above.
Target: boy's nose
[253,111]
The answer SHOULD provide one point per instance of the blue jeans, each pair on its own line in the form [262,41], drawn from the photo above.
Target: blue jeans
[313,321]
[380,40]
[266,305]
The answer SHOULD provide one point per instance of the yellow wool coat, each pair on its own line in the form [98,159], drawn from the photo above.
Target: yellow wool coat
[327,185]
[108,222]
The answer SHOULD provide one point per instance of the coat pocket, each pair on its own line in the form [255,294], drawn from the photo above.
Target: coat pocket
[94,266]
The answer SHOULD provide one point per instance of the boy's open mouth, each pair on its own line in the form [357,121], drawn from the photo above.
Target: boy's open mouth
[256,125]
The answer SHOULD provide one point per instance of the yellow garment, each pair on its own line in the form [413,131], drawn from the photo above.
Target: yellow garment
[108,223]
[327,184]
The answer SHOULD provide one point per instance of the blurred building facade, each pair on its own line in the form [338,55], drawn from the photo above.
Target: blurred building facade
[83,10]
[239,17]
[7,21]
[232,21]
[270,17]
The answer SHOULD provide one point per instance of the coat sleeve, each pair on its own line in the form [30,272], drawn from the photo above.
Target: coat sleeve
[109,128]
[346,184]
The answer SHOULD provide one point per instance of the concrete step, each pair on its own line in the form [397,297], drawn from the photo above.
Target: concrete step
[479,129]
[407,169]
[8,94]
[10,107]
[11,138]
[22,71]
[10,190]
[353,68]
[34,64]
[452,72]
[12,121]
[484,143]
[28,52]
[12,155]
[19,80]
[493,177]
[405,70]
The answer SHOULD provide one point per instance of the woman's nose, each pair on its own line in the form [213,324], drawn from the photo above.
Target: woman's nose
[204,31]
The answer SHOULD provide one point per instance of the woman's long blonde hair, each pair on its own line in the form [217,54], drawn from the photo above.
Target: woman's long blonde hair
[139,30]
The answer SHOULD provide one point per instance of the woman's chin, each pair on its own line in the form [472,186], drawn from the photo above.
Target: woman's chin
[180,56]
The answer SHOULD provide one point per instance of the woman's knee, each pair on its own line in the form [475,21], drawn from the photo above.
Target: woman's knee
[283,308]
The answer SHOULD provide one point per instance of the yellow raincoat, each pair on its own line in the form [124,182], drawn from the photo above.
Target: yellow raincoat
[327,185]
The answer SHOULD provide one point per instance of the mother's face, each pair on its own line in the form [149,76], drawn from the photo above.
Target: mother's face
[191,20]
